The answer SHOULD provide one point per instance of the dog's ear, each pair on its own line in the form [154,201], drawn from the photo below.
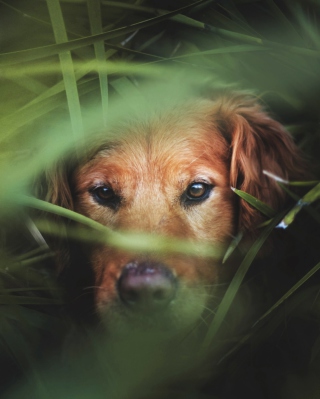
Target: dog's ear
[56,187]
[257,143]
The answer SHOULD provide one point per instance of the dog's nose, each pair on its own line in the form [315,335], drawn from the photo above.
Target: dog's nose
[147,286]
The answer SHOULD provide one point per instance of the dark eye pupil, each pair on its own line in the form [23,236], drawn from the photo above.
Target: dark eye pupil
[197,190]
[104,193]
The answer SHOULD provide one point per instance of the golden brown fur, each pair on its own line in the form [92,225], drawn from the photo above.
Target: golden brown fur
[225,141]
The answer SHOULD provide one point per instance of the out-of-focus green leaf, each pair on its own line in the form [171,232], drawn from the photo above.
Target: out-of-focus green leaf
[67,69]
[95,19]
[36,53]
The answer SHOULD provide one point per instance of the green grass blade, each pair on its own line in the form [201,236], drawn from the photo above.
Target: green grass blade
[44,51]
[275,46]
[58,210]
[240,48]
[235,285]
[6,299]
[289,293]
[283,21]
[233,245]
[95,19]
[67,69]
[265,209]
[129,241]
[282,181]
[311,196]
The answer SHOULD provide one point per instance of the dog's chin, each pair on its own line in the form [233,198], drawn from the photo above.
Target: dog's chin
[181,316]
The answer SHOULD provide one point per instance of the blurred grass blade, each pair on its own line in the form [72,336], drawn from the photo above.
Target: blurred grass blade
[303,183]
[123,86]
[290,183]
[129,241]
[309,28]
[311,196]
[58,210]
[290,292]
[283,21]
[239,48]
[67,69]
[6,299]
[265,209]
[234,286]
[40,52]
[233,245]
[275,46]
[95,20]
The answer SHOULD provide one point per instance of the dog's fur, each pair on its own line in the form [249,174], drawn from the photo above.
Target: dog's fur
[224,141]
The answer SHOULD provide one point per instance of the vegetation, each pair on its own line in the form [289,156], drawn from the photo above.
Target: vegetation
[70,66]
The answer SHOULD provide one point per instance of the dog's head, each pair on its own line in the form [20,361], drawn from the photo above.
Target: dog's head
[171,174]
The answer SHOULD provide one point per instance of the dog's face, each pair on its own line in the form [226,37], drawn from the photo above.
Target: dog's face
[171,174]
[168,177]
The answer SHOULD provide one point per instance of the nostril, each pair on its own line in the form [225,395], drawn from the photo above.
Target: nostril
[146,286]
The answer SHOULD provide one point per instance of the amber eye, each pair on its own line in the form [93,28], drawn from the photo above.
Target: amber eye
[197,192]
[105,195]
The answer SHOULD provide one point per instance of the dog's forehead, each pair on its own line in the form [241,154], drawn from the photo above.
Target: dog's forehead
[180,144]
[161,145]
[184,131]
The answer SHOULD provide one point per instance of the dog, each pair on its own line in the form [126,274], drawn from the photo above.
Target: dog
[170,173]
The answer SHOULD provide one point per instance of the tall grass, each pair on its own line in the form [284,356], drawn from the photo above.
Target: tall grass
[70,67]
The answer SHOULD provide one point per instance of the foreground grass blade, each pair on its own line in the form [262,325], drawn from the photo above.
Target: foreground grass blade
[95,19]
[265,209]
[6,299]
[290,292]
[128,241]
[311,196]
[67,69]
[257,325]
[233,245]
[235,285]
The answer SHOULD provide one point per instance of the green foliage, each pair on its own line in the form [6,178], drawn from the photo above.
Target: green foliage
[70,67]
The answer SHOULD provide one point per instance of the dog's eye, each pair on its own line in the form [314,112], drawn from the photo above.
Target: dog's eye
[197,192]
[104,195]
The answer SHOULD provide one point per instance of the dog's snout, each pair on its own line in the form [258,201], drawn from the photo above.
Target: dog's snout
[147,286]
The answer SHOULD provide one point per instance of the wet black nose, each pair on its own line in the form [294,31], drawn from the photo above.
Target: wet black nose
[146,286]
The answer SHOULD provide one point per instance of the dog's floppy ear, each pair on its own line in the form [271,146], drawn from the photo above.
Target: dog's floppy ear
[57,189]
[257,143]
[54,187]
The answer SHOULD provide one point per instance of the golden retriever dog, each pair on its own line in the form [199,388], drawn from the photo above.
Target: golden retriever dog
[171,173]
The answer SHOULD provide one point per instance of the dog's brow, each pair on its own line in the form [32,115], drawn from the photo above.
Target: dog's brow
[195,159]
[105,148]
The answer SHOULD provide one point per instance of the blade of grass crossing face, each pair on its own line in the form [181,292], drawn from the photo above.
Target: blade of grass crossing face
[67,69]
[95,18]
[130,241]
[235,285]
